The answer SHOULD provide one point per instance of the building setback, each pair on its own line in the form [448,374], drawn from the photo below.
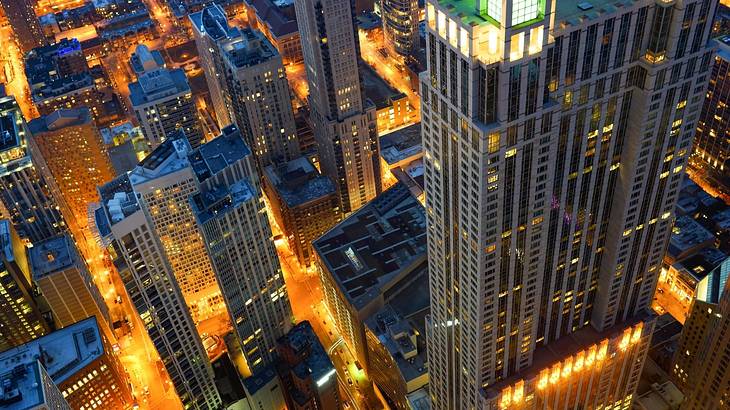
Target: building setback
[344,121]
[555,138]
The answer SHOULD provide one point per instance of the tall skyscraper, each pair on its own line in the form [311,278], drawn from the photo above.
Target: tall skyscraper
[73,159]
[24,22]
[128,230]
[256,93]
[712,140]
[344,120]
[210,27]
[21,318]
[163,103]
[400,25]
[25,198]
[163,183]
[230,213]
[63,279]
[555,138]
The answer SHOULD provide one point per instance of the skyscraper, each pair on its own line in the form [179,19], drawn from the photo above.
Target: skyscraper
[256,92]
[73,158]
[163,103]
[400,25]
[555,138]
[344,120]
[24,196]
[129,232]
[230,213]
[21,318]
[210,27]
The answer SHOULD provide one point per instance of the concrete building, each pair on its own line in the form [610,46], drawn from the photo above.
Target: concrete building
[73,159]
[63,279]
[229,210]
[401,159]
[163,104]
[128,231]
[392,108]
[400,25]
[304,204]
[256,93]
[700,276]
[688,237]
[278,21]
[163,183]
[712,141]
[80,362]
[210,27]
[264,390]
[364,261]
[556,135]
[143,59]
[24,195]
[27,386]
[21,314]
[308,376]
[344,120]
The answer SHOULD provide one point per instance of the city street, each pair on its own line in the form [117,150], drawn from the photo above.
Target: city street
[16,83]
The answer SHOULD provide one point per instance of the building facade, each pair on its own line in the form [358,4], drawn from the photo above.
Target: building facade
[555,139]
[21,317]
[63,279]
[163,104]
[304,204]
[344,120]
[139,255]
[25,196]
[400,25]
[256,92]
[230,213]
[73,159]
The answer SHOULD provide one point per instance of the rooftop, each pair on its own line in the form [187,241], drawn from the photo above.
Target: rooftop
[118,202]
[145,60]
[278,15]
[60,119]
[401,144]
[10,115]
[220,200]
[158,84]
[47,78]
[22,385]
[686,234]
[212,157]
[302,340]
[63,353]
[722,219]
[52,255]
[298,182]
[709,266]
[168,157]
[250,48]
[260,379]
[213,22]
[370,249]
[376,89]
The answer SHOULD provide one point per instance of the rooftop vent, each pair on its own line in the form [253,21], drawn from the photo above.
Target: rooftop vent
[585,6]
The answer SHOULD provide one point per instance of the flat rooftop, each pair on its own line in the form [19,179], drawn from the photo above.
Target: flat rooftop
[52,255]
[213,21]
[686,234]
[220,200]
[9,127]
[22,383]
[302,339]
[278,15]
[63,353]
[248,49]
[157,85]
[298,182]
[168,157]
[118,202]
[212,157]
[401,144]
[60,119]
[370,248]
[376,89]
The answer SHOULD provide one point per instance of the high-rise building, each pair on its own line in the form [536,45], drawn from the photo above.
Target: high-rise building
[163,183]
[278,21]
[63,279]
[344,120]
[163,103]
[81,363]
[256,93]
[26,199]
[27,385]
[712,140]
[210,27]
[21,317]
[400,25]
[307,373]
[126,227]
[24,22]
[555,138]
[304,204]
[230,213]
[73,158]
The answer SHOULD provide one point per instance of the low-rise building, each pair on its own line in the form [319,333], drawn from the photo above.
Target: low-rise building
[688,237]
[364,260]
[278,21]
[80,361]
[304,204]
[401,155]
[392,107]
[701,275]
